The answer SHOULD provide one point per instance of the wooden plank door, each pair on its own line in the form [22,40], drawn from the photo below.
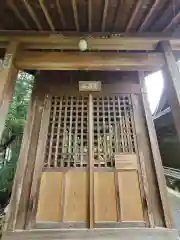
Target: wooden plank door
[91,169]
[117,196]
[63,195]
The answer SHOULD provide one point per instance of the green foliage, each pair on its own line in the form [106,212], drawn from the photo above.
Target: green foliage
[18,108]
[15,126]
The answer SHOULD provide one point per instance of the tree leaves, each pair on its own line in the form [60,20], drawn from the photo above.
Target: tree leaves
[14,125]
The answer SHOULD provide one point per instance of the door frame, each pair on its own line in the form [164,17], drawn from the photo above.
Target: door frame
[31,216]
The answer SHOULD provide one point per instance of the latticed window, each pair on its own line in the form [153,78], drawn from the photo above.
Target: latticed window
[113,132]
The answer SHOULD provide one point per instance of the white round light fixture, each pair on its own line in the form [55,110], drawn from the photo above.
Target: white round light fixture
[83,45]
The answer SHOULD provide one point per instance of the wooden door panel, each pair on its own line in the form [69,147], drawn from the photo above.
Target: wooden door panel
[76,197]
[104,197]
[130,197]
[95,180]
[49,205]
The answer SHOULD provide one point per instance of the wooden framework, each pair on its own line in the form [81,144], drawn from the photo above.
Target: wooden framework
[145,160]
[96,42]
[135,15]
[115,123]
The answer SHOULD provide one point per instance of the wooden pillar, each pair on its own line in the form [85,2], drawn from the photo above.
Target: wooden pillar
[152,203]
[91,178]
[16,216]
[158,168]
[38,165]
[172,82]
[8,75]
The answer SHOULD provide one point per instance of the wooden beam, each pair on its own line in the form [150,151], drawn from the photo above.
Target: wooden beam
[106,2]
[138,7]
[8,75]
[117,15]
[156,154]
[75,12]
[18,14]
[61,14]
[46,14]
[88,60]
[32,14]
[158,4]
[125,42]
[90,15]
[172,83]
[175,21]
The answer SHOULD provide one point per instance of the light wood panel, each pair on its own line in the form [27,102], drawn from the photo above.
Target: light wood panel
[76,197]
[104,197]
[130,200]
[89,60]
[49,207]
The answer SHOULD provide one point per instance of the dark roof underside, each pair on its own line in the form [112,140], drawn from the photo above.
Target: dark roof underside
[90,15]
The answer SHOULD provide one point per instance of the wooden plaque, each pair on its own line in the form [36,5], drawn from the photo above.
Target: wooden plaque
[89,86]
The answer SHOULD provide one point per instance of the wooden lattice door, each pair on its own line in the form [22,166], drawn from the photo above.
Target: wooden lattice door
[90,176]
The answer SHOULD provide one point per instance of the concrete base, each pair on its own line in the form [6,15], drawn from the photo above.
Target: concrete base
[99,234]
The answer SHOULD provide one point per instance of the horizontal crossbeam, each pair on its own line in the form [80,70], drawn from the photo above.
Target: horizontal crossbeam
[119,42]
[89,61]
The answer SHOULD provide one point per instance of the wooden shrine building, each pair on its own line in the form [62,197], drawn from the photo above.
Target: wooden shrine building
[89,166]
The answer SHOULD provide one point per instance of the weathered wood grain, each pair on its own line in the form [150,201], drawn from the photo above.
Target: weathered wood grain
[8,75]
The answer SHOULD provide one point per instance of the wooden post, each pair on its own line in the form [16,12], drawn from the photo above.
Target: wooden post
[91,163]
[22,184]
[151,200]
[159,171]
[8,75]
[172,83]
[38,166]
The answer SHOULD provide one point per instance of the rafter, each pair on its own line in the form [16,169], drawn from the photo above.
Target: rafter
[60,12]
[75,12]
[48,18]
[175,21]
[32,14]
[133,17]
[117,16]
[157,5]
[18,14]
[90,15]
[106,2]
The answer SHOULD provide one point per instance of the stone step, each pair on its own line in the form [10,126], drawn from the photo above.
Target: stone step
[99,234]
